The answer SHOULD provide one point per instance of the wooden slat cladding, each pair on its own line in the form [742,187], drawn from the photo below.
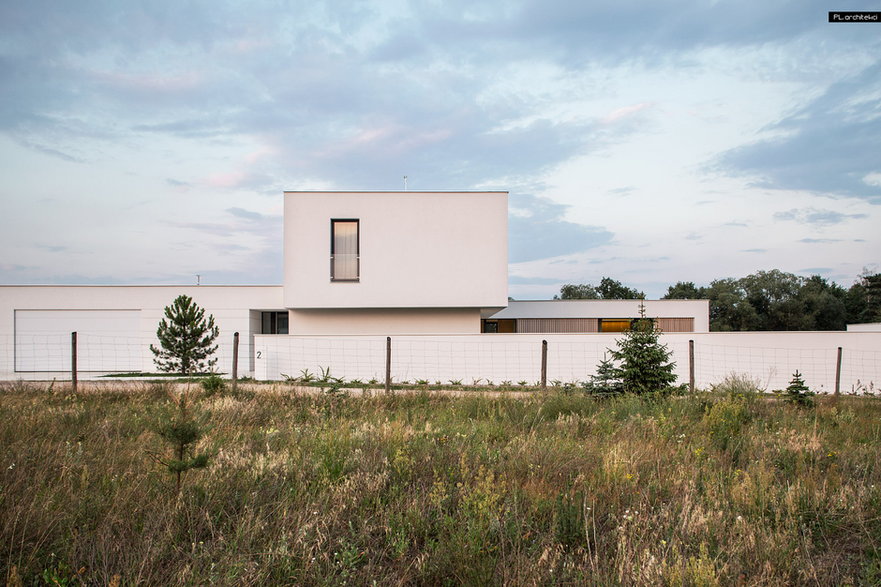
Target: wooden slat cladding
[675,324]
[575,325]
[551,325]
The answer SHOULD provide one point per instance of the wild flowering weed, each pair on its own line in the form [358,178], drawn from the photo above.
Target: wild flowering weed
[725,421]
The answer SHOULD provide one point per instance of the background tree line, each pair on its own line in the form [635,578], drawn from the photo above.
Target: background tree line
[765,300]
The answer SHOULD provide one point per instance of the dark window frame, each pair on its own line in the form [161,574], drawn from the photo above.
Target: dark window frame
[357,222]
[269,322]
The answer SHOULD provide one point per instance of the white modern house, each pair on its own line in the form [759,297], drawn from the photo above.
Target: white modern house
[355,263]
[394,262]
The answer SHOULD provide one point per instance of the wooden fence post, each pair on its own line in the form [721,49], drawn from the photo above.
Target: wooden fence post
[235,360]
[544,365]
[838,373]
[388,364]
[691,366]
[73,381]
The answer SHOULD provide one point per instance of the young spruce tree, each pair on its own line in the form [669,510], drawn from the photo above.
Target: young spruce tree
[186,338]
[182,432]
[607,380]
[798,393]
[644,363]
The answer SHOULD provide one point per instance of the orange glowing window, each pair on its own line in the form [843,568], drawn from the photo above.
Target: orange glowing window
[614,324]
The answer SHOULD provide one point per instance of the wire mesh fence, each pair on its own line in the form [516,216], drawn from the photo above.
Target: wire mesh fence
[50,355]
[570,358]
[769,359]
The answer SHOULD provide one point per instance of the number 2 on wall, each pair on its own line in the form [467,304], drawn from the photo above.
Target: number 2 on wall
[259,354]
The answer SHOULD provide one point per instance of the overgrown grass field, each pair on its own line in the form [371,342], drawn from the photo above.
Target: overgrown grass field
[324,489]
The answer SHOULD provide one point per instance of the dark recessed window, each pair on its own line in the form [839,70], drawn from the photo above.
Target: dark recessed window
[504,325]
[274,323]
[344,250]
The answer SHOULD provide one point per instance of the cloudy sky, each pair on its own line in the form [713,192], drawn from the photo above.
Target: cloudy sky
[653,142]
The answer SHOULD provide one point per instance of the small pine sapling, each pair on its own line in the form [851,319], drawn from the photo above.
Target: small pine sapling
[607,380]
[182,432]
[798,393]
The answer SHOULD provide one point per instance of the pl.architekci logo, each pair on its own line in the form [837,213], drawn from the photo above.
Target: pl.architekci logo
[858,16]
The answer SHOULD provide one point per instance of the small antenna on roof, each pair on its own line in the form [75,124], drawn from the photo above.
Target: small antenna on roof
[405,183]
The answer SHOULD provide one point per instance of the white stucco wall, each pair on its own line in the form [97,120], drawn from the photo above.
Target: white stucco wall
[417,249]
[869,327]
[385,321]
[112,350]
[769,358]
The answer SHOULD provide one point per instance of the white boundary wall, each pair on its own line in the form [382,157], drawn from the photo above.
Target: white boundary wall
[36,322]
[768,357]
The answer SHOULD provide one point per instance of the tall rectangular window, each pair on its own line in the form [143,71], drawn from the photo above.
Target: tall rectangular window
[344,250]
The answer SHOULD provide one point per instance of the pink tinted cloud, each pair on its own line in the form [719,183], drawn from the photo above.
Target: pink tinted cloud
[262,152]
[226,180]
[625,112]
[235,178]
[390,138]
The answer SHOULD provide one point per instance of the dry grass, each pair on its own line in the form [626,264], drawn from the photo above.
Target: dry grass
[721,488]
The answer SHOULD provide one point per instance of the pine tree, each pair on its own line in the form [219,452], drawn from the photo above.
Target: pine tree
[798,393]
[645,365]
[186,337]
[182,431]
[606,381]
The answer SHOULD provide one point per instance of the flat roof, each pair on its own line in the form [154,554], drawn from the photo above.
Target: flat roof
[178,285]
[602,308]
[396,191]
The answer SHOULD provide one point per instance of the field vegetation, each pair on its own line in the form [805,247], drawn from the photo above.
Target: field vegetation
[721,487]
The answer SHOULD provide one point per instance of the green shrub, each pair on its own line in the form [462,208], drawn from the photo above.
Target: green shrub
[213,384]
[738,385]
[725,420]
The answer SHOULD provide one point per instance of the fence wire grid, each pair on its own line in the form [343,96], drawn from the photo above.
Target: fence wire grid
[466,359]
